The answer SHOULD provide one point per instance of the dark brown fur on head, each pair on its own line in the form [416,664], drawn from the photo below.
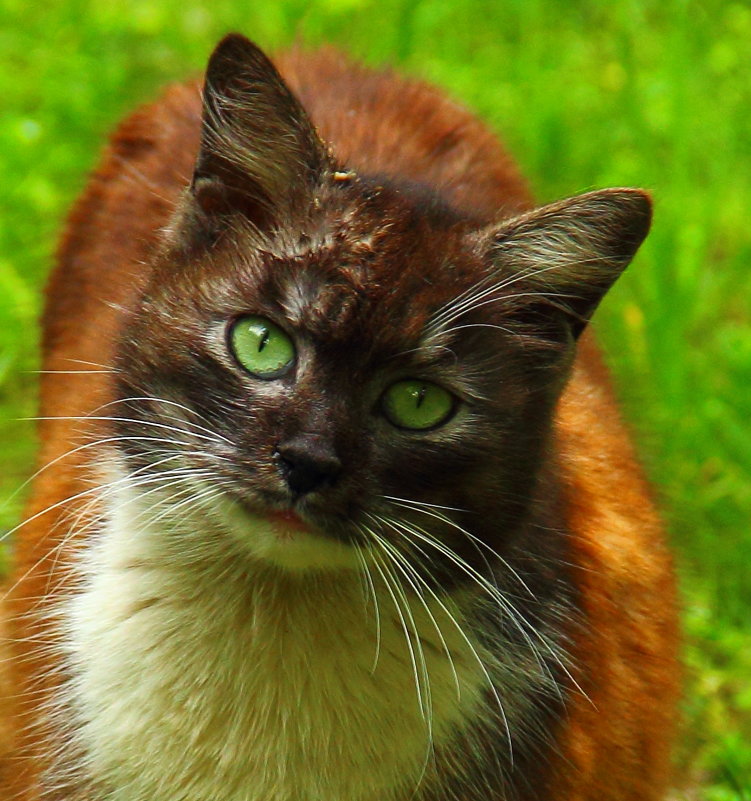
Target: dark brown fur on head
[375,280]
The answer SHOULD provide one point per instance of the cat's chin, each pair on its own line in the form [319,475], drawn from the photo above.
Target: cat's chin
[287,542]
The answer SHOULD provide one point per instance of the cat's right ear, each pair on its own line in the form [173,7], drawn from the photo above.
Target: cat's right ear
[260,155]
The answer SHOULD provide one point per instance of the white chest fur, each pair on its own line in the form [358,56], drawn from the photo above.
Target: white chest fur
[210,680]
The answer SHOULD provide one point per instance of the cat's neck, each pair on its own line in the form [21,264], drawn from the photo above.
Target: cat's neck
[305,681]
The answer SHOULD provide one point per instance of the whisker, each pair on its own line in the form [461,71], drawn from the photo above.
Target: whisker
[473,651]
[106,367]
[66,372]
[177,405]
[98,443]
[524,628]
[445,519]
[136,421]
[514,614]
[470,299]
[425,503]
[380,567]
[402,563]
[73,530]
[374,596]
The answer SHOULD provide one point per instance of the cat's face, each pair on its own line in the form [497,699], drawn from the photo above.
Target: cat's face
[347,361]
[308,362]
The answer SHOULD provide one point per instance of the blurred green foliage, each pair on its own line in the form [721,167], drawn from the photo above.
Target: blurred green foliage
[586,94]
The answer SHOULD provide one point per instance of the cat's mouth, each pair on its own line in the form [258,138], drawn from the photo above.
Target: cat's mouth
[288,522]
[292,538]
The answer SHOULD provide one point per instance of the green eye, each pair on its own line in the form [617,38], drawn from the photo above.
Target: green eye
[417,404]
[261,347]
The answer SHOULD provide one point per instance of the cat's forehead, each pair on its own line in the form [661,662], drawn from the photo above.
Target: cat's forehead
[377,270]
[369,290]
[333,298]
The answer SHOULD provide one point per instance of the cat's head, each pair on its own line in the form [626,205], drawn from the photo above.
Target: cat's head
[324,360]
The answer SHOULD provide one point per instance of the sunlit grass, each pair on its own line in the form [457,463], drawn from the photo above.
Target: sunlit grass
[587,94]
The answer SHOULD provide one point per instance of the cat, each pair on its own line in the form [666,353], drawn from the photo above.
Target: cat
[334,499]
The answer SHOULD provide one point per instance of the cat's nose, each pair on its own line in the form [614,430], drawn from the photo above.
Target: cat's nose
[307,462]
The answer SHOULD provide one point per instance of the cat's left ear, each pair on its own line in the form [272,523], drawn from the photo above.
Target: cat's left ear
[260,154]
[558,261]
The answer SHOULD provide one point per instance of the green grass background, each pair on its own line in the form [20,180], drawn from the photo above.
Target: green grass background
[654,93]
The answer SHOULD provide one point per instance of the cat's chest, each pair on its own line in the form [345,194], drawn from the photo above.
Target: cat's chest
[247,690]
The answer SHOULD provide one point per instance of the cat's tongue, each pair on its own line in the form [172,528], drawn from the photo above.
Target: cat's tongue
[288,521]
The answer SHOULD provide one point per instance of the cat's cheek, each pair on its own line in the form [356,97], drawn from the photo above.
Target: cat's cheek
[288,546]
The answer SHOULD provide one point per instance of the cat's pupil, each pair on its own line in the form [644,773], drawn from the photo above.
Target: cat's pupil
[420,396]
[264,339]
